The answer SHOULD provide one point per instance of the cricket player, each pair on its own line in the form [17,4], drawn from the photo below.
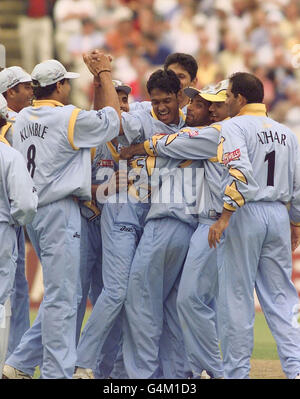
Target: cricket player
[15,85]
[55,138]
[106,177]
[122,223]
[18,205]
[260,232]
[185,67]
[159,258]
[198,285]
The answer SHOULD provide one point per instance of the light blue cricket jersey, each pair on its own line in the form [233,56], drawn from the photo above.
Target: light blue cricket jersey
[55,141]
[263,160]
[18,198]
[139,126]
[196,143]
[104,164]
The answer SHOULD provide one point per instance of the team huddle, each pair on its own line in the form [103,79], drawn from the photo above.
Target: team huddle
[166,214]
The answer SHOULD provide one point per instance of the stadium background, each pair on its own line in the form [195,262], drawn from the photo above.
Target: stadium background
[223,36]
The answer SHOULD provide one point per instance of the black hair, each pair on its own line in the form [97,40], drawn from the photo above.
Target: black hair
[248,85]
[44,92]
[187,62]
[163,80]
[3,121]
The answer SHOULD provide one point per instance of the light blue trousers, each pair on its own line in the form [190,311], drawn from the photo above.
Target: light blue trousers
[157,263]
[91,284]
[50,342]
[8,258]
[257,254]
[20,321]
[196,304]
[121,228]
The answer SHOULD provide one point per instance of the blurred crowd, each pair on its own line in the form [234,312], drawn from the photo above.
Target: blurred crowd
[262,37]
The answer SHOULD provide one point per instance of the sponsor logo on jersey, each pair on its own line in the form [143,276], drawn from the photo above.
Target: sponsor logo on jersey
[231,156]
[190,132]
[76,235]
[105,163]
[128,229]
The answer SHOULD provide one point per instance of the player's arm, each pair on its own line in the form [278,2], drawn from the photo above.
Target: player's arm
[21,191]
[232,152]
[105,94]
[294,209]
[188,143]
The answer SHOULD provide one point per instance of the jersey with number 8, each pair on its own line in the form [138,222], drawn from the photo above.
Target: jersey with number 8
[263,160]
[55,141]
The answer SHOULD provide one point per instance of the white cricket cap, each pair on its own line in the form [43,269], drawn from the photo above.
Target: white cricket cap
[119,86]
[8,79]
[22,75]
[3,108]
[50,72]
[214,93]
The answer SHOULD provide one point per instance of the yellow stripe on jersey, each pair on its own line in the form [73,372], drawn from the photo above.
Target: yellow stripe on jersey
[3,140]
[238,175]
[150,164]
[229,207]
[233,193]
[256,109]
[155,139]
[93,153]
[147,148]
[220,150]
[217,127]
[5,129]
[47,103]
[92,206]
[185,164]
[295,224]
[71,127]
[171,137]
[113,151]
[214,159]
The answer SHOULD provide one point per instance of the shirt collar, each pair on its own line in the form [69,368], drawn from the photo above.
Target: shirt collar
[256,109]
[49,103]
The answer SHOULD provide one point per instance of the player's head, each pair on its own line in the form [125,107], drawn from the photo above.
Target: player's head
[217,95]
[3,111]
[185,66]
[15,85]
[198,109]
[244,88]
[163,88]
[50,80]
[123,92]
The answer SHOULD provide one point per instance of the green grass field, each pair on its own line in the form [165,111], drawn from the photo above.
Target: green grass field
[264,343]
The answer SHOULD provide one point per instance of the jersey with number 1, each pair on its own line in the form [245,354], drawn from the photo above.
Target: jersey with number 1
[263,160]
[55,141]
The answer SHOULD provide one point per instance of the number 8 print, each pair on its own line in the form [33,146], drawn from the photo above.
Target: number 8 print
[31,152]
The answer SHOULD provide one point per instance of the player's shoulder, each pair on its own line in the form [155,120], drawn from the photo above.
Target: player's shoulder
[9,153]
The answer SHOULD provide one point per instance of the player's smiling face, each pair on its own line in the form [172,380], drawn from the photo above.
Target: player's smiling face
[198,112]
[219,111]
[22,96]
[165,106]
